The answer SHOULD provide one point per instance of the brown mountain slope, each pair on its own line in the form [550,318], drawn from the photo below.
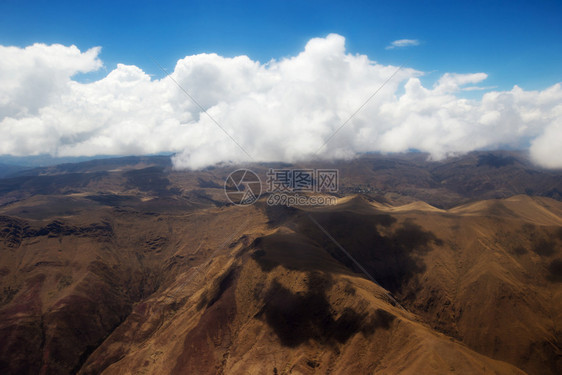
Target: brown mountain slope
[237,290]
[281,305]
[491,277]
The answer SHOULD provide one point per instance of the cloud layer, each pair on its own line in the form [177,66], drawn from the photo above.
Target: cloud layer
[403,43]
[283,110]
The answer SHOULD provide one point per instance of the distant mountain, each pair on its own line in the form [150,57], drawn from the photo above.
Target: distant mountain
[44,160]
[9,169]
[97,165]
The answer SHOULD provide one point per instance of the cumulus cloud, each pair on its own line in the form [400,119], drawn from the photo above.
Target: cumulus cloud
[403,43]
[283,110]
[33,77]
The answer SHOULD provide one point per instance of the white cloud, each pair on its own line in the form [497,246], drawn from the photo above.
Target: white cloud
[478,88]
[34,77]
[403,43]
[280,111]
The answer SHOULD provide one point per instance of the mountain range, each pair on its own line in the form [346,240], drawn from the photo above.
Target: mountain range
[128,266]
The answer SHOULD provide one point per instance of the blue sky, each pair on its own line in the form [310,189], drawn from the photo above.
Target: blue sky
[515,42]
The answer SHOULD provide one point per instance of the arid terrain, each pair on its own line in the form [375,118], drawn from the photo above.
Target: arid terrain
[126,266]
